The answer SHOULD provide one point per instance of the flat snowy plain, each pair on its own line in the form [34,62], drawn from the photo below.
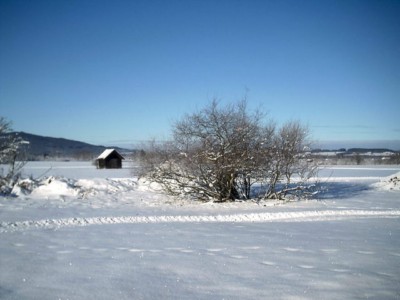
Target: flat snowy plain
[101,234]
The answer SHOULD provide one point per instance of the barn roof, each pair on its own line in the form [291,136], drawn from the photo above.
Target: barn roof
[107,152]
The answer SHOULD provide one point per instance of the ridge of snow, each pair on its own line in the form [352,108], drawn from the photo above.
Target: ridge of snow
[303,216]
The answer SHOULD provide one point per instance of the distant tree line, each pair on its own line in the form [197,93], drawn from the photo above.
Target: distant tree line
[356,158]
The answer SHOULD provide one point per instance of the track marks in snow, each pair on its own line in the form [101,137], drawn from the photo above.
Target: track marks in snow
[366,252]
[290,262]
[238,256]
[330,251]
[215,250]
[306,266]
[303,216]
[135,250]
[268,263]
[289,249]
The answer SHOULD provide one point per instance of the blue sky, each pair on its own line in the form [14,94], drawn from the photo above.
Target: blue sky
[118,72]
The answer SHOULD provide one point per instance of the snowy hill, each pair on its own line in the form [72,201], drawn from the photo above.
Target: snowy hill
[42,147]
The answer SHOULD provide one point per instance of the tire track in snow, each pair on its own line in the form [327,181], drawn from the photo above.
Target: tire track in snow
[302,216]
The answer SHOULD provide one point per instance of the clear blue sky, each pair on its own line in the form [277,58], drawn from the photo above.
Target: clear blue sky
[117,72]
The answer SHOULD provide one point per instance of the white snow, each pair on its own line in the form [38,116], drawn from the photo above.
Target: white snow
[391,183]
[52,187]
[84,233]
[105,153]
[304,216]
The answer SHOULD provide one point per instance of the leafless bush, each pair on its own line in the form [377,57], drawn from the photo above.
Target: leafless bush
[10,154]
[219,153]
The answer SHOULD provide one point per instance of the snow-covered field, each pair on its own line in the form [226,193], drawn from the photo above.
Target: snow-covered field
[85,233]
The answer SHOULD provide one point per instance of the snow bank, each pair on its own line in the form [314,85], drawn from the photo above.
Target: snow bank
[146,185]
[55,187]
[119,192]
[390,183]
[100,186]
[24,187]
[60,187]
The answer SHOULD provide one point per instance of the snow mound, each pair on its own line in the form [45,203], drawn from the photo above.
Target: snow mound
[104,186]
[146,185]
[24,187]
[61,187]
[55,187]
[390,183]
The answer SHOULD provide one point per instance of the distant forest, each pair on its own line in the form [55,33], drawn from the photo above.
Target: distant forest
[49,148]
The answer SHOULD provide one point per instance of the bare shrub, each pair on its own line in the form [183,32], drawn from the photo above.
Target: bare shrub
[219,153]
[11,146]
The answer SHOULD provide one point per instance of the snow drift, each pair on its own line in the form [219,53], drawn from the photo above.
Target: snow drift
[391,183]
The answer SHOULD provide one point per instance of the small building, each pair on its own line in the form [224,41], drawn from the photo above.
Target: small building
[109,159]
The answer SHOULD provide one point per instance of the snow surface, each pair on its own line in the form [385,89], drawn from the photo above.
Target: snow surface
[106,153]
[84,233]
[391,183]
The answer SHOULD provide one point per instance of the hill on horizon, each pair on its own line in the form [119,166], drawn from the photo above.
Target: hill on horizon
[47,148]
[43,147]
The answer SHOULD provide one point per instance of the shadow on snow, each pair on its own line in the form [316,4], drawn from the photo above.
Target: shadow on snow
[340,190]
[322,190]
